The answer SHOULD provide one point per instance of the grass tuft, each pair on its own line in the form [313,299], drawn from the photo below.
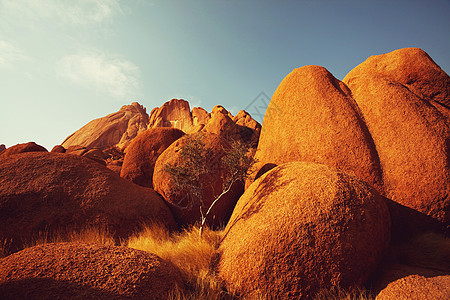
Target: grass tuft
[89,234]
[336,293]
[196,257]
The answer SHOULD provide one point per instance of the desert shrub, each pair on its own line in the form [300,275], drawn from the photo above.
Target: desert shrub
[195,256]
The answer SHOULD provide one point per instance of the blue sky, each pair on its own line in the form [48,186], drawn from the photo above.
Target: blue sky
[64,63]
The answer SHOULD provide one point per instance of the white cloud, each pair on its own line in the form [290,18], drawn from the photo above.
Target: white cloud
[79,12]
[101,72]
[9,54]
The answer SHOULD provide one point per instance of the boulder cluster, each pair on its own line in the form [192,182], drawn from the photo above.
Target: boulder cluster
[343,170]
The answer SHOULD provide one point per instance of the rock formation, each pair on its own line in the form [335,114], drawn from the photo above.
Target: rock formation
[22,148]
[314,118]
[416,287]
[413,68]
[404,97]
[143,152]
[2,148]
[58,149]
[175,113]
[200,116]
[302,227]
[116,129]
[86,271]
[48,192]
[224,124]
[185,209]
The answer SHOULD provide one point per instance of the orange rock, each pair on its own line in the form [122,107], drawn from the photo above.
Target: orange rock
[175,113]
[58,149]
[413,68]
[200,116]
[302,227]
[115,129]
[416,287]
[22,148]
[410,130]
[239,128]
[50,192]
[96,154]
[2,148]
[185,209]
[143,151]
[76,150]
[220,122]
[316,119]
[86,271]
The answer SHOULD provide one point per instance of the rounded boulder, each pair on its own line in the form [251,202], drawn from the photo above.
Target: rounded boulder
[302,227]
[313,117]
[142,153]
[23,148]
[417,287]
[185,206]
[410,128]
[52,192]
[86,271]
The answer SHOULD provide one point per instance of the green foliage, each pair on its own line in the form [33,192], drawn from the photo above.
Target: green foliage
[197,161]
[238,162]
[186,175]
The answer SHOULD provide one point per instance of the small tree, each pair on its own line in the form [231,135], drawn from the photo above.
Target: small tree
[195,161]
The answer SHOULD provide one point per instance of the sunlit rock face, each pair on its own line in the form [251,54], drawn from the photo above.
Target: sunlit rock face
[175,113]
[302,227]
[317,120]
[404,98]
[387,122]
[116,129]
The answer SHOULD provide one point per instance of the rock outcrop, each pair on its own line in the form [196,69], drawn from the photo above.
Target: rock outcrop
[175,113]
[317,120]
[302,227]
[416,287]
[2,148]
[143,152]
[86,271]
[185,207]
[22,148]
[411,67]
[404,98]
[50,192]
[239,128]
[116,129]
[200,116]
[58,149]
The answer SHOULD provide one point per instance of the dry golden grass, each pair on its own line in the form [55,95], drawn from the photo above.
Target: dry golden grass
[337,293]
[89,234]
[196,257]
